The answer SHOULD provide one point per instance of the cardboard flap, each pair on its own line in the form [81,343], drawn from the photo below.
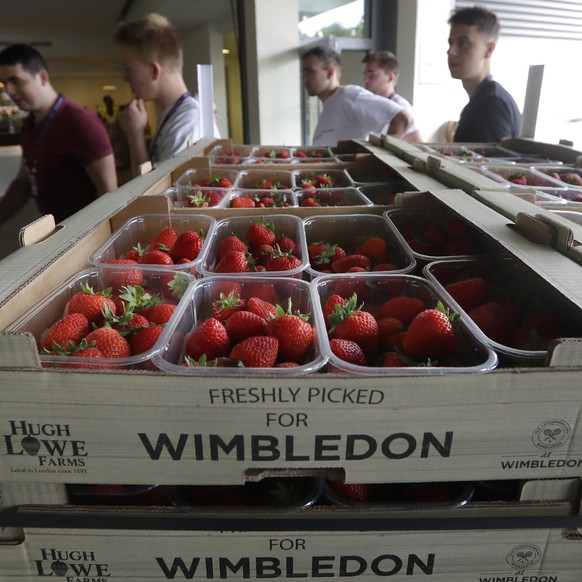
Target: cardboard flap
[144,168]
[18,350]
[565,352]
[37,231]
[563,236]
[552,490]
[533,229]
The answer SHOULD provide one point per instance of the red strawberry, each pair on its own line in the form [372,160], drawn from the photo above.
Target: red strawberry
[124,275]
[353,492]
[187,246]
[110,342]
[294,332]
[226,305]
[244,324]
[468,293]
[351,322]
[256,352]
[145,339]
[233,262]
[90,303]
[375,248]
[518,178]
[157,257]
[348,351]
[159,314]
[393,360]
[242,202]
[210,339]
[403,308]
[353,260]
[230,243]
[203,199]
[283,262]
[69,329]
[330,304]
[260,233]
[164,240]
[287,244]
[309,201]
[571,178]
[389,333]
[495,319]
[263,308]
[431,335]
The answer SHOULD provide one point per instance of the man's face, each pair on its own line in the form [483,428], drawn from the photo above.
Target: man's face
[376,78]
[469,51]
[316,76]
[24,88]
[137,73]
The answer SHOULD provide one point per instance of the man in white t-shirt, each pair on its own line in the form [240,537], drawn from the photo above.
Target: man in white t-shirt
[349,111]
[152,60]
[380,77]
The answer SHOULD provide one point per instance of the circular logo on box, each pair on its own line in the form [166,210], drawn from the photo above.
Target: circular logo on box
[551,434]
[524,556]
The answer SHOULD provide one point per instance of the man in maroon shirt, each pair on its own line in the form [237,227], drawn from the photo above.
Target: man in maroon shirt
[67,158]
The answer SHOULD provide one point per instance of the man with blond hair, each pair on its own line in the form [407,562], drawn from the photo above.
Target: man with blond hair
[152,59]
[380,77]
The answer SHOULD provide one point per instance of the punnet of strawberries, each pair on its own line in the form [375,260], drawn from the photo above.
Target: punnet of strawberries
[256,244]
[396,321]
[116,326]
[250,322]
[157,241]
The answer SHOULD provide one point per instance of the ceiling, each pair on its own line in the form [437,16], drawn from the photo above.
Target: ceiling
[92,16]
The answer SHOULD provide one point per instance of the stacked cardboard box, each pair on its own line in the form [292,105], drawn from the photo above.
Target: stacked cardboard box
[125,427]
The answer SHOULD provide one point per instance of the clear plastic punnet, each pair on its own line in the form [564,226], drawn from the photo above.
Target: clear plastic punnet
[288,293]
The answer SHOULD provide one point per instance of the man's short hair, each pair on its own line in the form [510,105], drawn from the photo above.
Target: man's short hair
[387,61]
[154,38]
[325,54]
[485,20]
[23,54]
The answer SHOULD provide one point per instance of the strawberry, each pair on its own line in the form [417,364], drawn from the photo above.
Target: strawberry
[226,305]
[353,492]
[127,322]
[145,339]
[210,339]
[261,253]
[468,293]
[90,303]
[83,350]
[164,240]
[117,278]
[375,248]
[281,261]
[456,228]
[244,324]
[384,267]
[260,233]
[230,243]
[242,202]
[353,260]
[309,201]
[110,342]
[294,332]
[233,262]
[351,322]
[403,308]
[157,257]
[431,334]
[348,351]
[392,360]
[389,333]
[135,253]
[571,178]
[256,352]
[495,319]
[263,308]
[518,178]
[187,246]
[330,304]
[158,314]
[287,244]
[70,329]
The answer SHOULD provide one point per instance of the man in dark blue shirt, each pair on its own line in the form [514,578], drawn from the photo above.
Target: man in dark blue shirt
[491,113]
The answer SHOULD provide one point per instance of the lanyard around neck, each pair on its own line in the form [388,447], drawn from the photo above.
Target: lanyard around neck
[46,123]
[167,117]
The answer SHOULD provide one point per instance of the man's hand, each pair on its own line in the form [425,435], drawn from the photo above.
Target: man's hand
[134,118]
[400,123]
